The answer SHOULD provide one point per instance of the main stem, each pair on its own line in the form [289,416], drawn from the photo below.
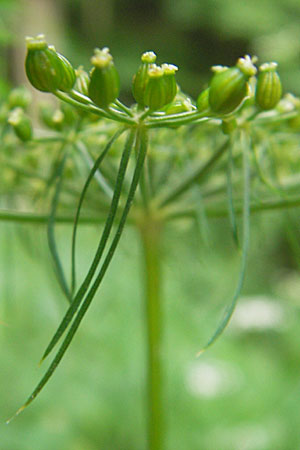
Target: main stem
[151,233]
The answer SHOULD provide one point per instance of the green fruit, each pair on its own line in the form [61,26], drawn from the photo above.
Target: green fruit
[46,69]
[21,124]
[179,106]
[82,81]
[104,86]
[227,90]
[19,97]
[268,89]
[202,101]
[170,82]
[155,92]
[229,86]
[68,75]
[229,125]
[141,78]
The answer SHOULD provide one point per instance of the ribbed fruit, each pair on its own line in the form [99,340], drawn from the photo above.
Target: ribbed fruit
[104,86]
[46,69]
[268,89]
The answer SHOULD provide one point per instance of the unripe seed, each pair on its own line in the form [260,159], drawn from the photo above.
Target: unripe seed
[170,82]
[82,81]
[21,124]
[46,69]
[104,86]
[141,78]
[227,90]
[268,88]
[155,93]
[50,117]
[202,101]
[179,106]
[229,125]
[68,75]
[19,97]
[228,86]
[70,114]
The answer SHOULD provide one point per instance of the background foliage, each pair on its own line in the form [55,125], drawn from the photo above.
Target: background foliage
[243,393]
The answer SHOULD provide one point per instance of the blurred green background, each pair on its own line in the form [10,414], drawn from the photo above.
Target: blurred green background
[243,394]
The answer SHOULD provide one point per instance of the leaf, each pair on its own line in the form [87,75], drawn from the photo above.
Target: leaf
[94,169]
[231,211]
[87,301]
[103,240]
[164,172]
[81,148]
[201,216]
[200,210]
[246,237]
[51,233]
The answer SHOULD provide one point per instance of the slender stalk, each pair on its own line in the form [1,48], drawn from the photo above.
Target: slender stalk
[124,107]
[275,118]
[144,182]
[166,121]
[219,210]
[33,218]
[90,107]
[150,236]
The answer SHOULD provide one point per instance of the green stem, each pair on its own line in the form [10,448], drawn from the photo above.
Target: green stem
[124,108]
[33,218]
[150,236]
[144,184]
[276,118]
[176,119]
[219,210]
[90,107]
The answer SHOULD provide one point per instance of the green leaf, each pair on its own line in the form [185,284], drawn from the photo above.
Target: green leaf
[104,237]
[165,171]
[231,210]
[81,148]
[142,150]
[51,232]
[246,237]
[201,216]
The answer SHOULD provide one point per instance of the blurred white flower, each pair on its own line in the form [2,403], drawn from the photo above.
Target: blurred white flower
[247,436]
[213,378]
[257,313]
[287,285]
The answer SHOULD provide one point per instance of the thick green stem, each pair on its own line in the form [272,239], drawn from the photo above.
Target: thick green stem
[150,234]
